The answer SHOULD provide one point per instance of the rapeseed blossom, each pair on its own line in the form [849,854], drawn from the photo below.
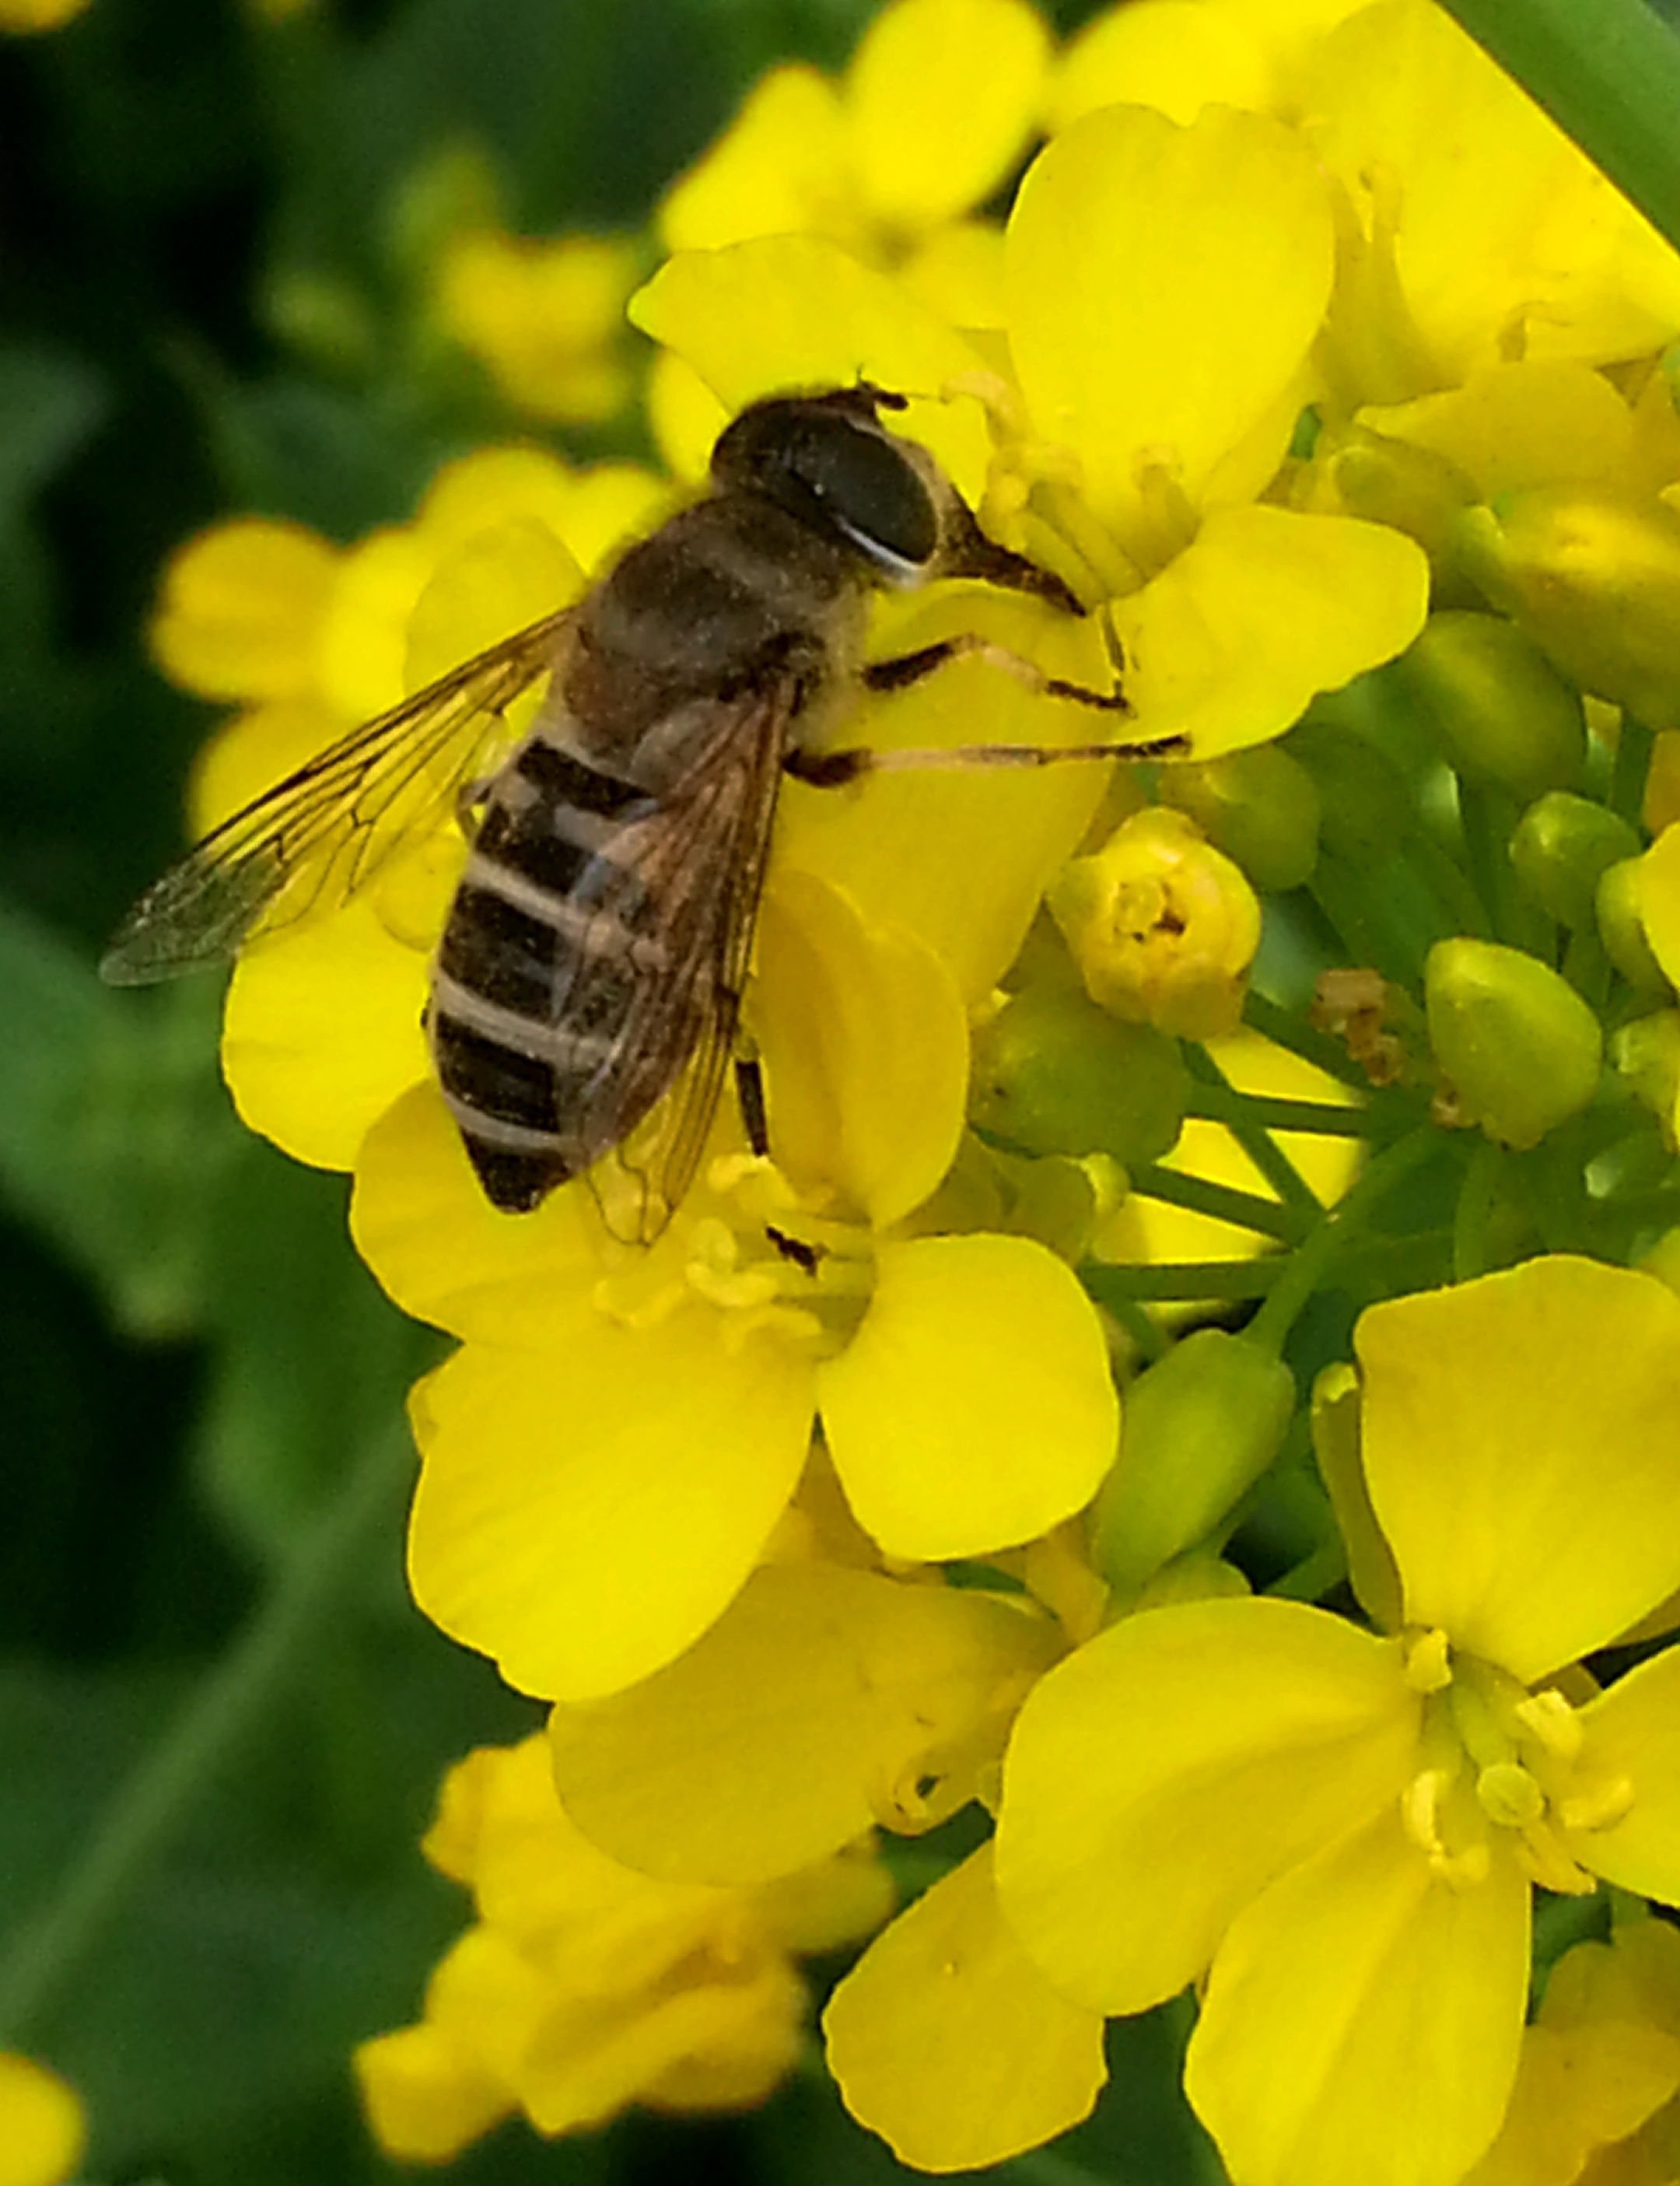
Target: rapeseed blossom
[42,2132]
[1338,1830]
[1336,386]
[583,1987]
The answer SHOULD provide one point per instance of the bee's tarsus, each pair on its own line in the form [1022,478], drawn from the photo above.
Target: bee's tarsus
[749,1094]
[804,1256]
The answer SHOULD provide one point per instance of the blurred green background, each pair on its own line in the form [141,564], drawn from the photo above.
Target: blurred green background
[220,1721]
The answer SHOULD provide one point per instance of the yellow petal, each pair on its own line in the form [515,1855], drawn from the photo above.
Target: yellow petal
[1520,1443]
[242,610]
[947,2041]
[940,97]
[906,847]
[1162,1775]
[822,1700]
[1631,1740]
[1143,260]
[974,1408]
[420,1220]
[42,2132]
[779,168]
[497,582]
[865,1047]
[1363,2020]
[1544,422]
[1176,55]
[585,1511]
[426,2097]
[1264,610]
[323,1034]
[794,310]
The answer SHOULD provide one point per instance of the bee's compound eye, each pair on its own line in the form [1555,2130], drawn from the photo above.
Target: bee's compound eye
[840,471]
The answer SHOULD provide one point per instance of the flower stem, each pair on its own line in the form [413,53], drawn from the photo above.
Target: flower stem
[1305,1270]
[1608,73]
[230,1701]
[1256,1140]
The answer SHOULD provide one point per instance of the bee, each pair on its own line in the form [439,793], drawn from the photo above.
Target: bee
[594,955]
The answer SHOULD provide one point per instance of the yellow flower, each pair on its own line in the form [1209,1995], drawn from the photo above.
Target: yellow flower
[1595,2090]
[607,1455]
[1338,1831]
[826,1698]
[23,16]
[543,317]
[934,110]
[42,2132]
[584,1988]
[1139,258]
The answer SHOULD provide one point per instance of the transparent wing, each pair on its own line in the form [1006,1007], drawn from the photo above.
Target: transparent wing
[318,836]
[705,863]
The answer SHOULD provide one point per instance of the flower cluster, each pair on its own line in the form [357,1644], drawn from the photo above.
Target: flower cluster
[1335,385]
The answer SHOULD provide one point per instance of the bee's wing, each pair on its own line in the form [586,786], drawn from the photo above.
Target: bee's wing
[707,866]
[319,835]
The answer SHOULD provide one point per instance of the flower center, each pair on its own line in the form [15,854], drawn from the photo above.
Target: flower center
[1498,1758]
[747,1246]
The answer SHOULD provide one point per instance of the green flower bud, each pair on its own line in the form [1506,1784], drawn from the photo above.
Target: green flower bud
[1522,1049]
[1621,910]
[1365,801]
[1411,489]
[1054,1074]
[1499,711]
[1561,845]
[1199,1428]
[1260,807]
[1645,1054]
[1595,581]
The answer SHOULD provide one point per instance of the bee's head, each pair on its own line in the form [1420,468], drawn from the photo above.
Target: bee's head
[827,459]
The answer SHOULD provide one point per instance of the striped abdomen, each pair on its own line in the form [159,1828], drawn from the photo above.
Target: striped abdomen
[546,977]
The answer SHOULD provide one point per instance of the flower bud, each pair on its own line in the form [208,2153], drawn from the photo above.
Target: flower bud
[1522,1049]
[1054,1074]
[1561,845]
[1259,806]
[1620,908]
[1162,926]
[1408,487]
[1199,1428]
[1645,1054]
[1595,581]
[1363,798]
[1497,709]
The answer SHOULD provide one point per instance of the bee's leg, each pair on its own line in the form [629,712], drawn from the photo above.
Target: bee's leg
[749,1094]
[904,669]
[831,770]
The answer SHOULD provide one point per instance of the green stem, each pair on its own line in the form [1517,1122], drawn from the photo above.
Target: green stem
[1633,748]
[1178,1282]
[1247,1210]
[1256,1141]
[1305,1269]
[1607,71]
[1329,1119]
[1475,1206]
[166,1788]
